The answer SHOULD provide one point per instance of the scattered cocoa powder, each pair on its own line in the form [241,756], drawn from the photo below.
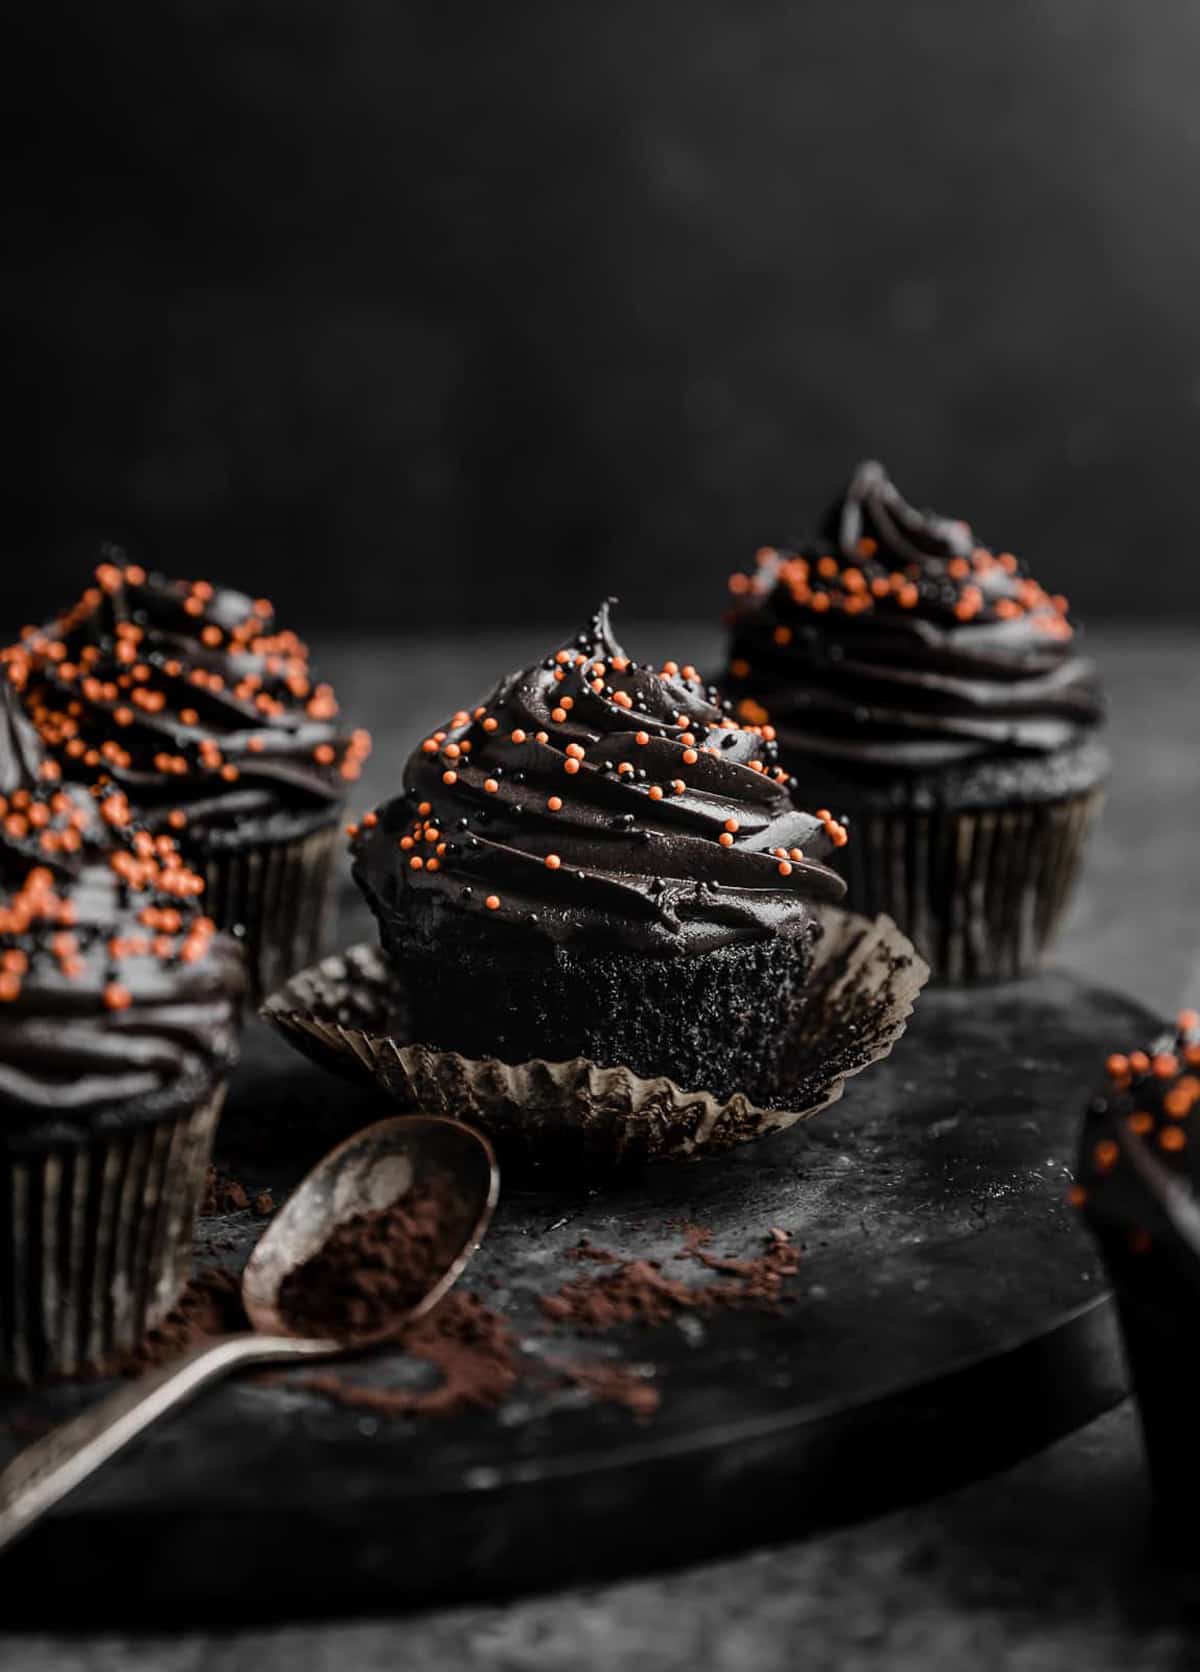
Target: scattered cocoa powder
[469,1344]
[222,1193]
[585,1250]
[613,1384]
[373,1267]
[639,1292]
[209,1306]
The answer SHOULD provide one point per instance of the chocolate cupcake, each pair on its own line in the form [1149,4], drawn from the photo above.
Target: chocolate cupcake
[189,699]
[118,1024]
[1139,1170]
[928,688]
[598,861]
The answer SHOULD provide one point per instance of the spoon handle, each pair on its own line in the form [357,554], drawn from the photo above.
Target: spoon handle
[43,1474]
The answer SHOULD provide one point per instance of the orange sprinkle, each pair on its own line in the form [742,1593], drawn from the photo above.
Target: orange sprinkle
[1188,1019]
[492,902]
[655,793]
[416,863]
[1139,1061]
[450,777]
[575,750]
[552,862]
[690,757]
[725,839]
[1164,1065]
[571,766]
[1117,1065]
[641,737]
[1077,1196]
[518,736]
[555,804]
[1172,1138]
[1141,1122]
[1105,1155]
[117,997]
[622,699]
[785,868]
[732,824]
[491,723]
[424,808]
[490,785]
[558,715]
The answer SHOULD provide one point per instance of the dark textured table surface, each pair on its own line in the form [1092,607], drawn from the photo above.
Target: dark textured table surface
[1045,1565]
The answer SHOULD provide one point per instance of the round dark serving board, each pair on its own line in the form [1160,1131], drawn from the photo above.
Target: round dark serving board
[947,1318]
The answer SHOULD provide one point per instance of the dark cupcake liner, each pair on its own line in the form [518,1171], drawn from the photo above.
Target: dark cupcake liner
[279,896]
[980,890]
[348,1013]
[96,1241]
[1155,1309]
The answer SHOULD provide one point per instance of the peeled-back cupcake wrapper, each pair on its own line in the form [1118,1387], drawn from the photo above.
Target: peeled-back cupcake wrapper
[281,894]
[982,891]
[865,982]
[97,1242]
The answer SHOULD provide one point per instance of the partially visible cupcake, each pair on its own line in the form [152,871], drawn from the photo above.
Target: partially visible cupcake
[598,861]
[1137,1183]
[928,687]
[189,699]
[119,1008]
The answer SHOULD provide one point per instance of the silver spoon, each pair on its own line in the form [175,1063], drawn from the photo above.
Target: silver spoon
[374,1169]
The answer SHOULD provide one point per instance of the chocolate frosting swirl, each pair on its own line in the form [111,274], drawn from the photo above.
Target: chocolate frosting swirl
[113,986]
[189,698]
[595,799]
[897,642]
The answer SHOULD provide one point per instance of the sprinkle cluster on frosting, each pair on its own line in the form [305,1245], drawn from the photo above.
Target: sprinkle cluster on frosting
[974,584]
[185,694]
[898,641]
[592,786]
[55,846]
[1139,1143]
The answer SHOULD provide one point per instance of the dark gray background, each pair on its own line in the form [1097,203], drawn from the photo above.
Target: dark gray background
[429,312]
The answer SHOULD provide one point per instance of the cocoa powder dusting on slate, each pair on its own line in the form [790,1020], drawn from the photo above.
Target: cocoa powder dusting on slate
[469,1345]
[209,1306]
[639,1292]
[612,1384]
[372,1268]
[222,1193]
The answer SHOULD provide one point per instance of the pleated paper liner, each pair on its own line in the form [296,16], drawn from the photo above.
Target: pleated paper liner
[278,896]
[96,1241]
[982,890]
[347,1013]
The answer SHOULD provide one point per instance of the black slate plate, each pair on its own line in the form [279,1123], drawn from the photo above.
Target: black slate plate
[948,1317]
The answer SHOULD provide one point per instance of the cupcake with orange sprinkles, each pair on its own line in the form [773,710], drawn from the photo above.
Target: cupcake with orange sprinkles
[931,688]
[190,700]
[599,861]
[1136,1186]
[119,1006]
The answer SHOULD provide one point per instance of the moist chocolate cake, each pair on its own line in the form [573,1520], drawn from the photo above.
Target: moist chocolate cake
[599,861]
[119,1006]
[190,700]
[930,687]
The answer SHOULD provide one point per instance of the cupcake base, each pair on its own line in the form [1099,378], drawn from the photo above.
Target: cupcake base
[1155,1302]
[96,1239]
[978,867]
[716,1020]
[352,1014]
[273,887]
